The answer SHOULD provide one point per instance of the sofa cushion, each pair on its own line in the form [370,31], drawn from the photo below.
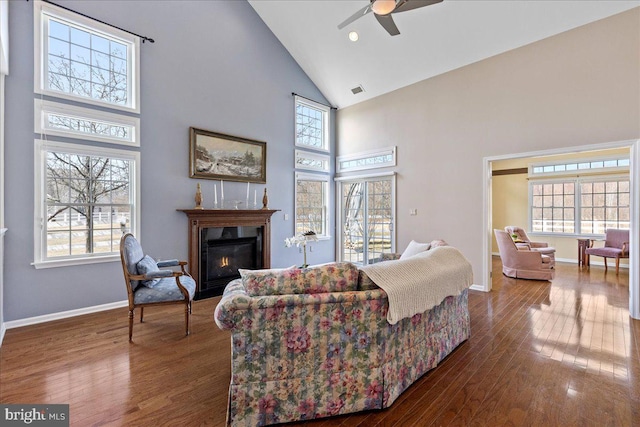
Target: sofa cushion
[414,248]
[333,277]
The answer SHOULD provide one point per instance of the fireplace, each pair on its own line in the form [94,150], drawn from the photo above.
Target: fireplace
[223,240]
[223,250]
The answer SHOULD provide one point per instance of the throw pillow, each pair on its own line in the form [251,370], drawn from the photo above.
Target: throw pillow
[414,248]
[145,266]
[439,242]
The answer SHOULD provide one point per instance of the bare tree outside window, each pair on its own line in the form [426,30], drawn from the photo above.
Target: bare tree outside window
[311,125]
[87,200]
[86,64]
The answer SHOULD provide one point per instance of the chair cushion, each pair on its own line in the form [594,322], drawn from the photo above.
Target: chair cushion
[132,254]
[165,290]
[605,252]
[332,277]
[414,248]
[145,266]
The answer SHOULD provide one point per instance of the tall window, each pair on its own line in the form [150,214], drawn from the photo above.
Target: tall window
[77,58]
[86,195]
[312,125]
[312,189]
[580,205]
[312,201]
[367,212]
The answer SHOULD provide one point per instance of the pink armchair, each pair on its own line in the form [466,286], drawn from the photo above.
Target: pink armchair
[616,245]
[524,241]
[522,263]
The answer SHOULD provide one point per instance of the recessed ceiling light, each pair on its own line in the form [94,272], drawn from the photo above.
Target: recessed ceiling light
[353,36]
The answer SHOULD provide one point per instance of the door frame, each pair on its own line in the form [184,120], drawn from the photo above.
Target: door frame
[634,191]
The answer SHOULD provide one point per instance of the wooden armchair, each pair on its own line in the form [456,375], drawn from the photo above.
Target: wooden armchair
[616,245]
[148,285]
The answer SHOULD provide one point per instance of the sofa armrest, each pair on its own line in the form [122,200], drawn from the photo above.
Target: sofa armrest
[235,302]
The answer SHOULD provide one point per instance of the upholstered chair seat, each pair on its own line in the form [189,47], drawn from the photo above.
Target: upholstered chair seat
[165,290]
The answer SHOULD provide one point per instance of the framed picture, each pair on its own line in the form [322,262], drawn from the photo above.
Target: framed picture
[217,156]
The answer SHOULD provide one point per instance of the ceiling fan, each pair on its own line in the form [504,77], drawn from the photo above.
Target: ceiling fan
[383,9]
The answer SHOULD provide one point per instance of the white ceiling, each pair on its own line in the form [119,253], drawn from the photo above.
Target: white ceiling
[433,39]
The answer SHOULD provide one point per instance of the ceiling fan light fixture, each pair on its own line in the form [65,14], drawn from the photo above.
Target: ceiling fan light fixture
[383,7]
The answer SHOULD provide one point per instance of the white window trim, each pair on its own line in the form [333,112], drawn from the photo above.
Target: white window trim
[313,156]
[39,245]
[578,202]
[42,108]
[365,155]
[325,123]
[313,177]
[41,8]
[339,211]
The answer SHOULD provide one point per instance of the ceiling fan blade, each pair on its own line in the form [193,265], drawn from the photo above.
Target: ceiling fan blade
[413,4]
[387,22]
[357,15]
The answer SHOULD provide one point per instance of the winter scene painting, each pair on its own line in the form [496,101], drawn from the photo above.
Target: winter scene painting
[218,156]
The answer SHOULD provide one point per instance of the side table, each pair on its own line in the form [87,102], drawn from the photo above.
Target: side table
[583,257]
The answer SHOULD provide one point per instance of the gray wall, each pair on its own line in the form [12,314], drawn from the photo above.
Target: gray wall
[215,65]
[578,88]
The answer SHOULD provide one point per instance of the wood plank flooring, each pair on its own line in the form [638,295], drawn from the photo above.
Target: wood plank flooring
[564,353]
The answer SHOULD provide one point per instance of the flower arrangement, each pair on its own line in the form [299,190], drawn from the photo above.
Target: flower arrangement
[301,240]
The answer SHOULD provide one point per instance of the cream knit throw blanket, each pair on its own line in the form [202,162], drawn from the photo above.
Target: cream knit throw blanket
[416,284]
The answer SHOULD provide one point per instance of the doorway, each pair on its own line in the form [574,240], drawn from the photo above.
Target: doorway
[634,178]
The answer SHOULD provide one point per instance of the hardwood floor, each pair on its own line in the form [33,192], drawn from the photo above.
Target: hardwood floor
[564,353]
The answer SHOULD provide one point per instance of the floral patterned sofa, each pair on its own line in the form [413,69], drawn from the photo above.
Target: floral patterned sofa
[315,342]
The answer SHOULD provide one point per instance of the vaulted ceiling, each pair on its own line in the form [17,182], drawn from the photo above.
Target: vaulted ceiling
[433,39]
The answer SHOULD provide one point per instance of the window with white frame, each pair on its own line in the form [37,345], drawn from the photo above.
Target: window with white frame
[374,159]
[86,195]
[581,205]
[609,164]
[87,200]
[81,59]
[312,203]
[312,161]
[54,118]
[312,124]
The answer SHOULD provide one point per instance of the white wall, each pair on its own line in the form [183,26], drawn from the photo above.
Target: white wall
[574,89]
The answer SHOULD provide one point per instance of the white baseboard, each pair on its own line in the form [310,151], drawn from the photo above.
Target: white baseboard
[475,287]
[575,261]
[64,314]
[3,329]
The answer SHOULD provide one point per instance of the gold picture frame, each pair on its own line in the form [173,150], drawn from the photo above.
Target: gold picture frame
[214,155]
